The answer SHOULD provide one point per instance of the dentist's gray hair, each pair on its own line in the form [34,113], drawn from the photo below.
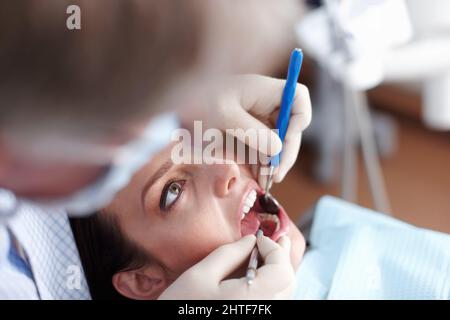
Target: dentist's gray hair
[109,72]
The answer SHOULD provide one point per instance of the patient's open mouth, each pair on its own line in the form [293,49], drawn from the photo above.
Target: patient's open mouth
[254,217]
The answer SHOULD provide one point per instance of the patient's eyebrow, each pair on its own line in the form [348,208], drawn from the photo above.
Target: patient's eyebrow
[162,170]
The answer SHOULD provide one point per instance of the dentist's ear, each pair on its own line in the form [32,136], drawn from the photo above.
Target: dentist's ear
[146,283]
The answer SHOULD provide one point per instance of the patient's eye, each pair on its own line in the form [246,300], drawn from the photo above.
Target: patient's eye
[170,194]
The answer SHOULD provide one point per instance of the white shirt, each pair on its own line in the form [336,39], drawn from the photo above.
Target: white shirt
[13,283]
[49,244]
[45,234]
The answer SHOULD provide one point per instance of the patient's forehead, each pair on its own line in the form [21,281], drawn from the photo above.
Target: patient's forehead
[130,196]
[162,156]
[165,157]
[158,160]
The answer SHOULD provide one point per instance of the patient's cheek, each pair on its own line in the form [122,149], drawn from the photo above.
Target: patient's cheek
[193,251]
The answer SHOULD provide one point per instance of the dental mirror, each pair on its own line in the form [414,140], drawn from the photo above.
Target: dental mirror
[269,204]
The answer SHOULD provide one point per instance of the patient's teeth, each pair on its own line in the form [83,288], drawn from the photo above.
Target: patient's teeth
[249,201]
[243,216]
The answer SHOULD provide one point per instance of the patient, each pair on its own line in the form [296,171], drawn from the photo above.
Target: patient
[171,216]
[168,218]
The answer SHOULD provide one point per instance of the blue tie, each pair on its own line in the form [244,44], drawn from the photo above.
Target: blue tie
[18,260]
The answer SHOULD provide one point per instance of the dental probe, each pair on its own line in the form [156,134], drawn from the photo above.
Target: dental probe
[253,263]
[295,64]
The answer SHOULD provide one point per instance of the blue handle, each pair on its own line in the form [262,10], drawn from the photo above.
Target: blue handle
[295,65]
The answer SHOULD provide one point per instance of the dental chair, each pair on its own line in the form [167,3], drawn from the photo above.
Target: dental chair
[357,253]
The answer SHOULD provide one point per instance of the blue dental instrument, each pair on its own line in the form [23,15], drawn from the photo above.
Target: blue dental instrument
[295,64]
[268,202]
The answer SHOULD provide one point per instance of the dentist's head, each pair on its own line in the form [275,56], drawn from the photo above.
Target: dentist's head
[78,107]
[70,100]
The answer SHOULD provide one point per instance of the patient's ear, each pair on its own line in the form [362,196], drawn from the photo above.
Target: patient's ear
[145,283]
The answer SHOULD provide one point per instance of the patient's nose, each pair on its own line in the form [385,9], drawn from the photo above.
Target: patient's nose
[225,178]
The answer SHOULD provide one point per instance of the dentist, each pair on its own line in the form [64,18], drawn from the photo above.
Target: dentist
[81,111]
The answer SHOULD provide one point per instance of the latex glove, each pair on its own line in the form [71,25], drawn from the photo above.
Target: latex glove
[253,101]
[275,279]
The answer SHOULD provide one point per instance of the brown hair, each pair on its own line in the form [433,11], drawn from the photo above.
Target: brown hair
[125,53]
[104,250]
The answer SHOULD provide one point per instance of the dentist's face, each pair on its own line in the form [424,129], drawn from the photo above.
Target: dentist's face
[180,213]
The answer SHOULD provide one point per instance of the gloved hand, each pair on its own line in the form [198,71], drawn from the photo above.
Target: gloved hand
[253,101]
[275,279]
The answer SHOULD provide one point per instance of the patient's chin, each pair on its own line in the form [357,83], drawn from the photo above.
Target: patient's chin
[239,272]
[298,245]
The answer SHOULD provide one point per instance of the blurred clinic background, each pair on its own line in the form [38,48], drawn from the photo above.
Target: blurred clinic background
[379,76]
